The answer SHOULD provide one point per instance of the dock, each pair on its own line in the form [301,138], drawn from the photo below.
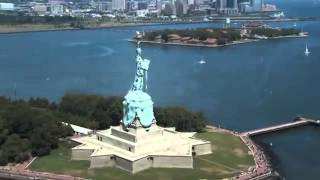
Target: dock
[280,127]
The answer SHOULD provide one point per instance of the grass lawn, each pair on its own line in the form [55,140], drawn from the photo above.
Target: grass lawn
[230,156]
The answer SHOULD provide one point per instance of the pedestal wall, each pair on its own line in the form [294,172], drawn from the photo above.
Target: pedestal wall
[102,161]
[173,161]
[141,164]
[123,164]
[124,135]
[115,141]
[202,149]
[81,154]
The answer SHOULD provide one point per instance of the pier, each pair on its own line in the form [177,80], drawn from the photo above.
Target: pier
[280,127]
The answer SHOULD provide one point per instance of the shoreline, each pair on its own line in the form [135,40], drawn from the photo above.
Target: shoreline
[262,168]
[27,28]
[217,46]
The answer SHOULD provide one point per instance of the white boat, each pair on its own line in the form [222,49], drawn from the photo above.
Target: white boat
[294,24]
[307,52]
[202,61]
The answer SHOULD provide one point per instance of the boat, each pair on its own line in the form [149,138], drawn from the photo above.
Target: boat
[307,52]
[294,24]
[202,61]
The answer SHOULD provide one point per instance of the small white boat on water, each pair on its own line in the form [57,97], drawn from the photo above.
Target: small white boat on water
[307,52]
[294,24]
[202,61]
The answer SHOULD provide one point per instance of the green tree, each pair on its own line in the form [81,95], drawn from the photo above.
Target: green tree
[15,148]
[108,112]
[181,118]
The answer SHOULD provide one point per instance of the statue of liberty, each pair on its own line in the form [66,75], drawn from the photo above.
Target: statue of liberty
[137,104]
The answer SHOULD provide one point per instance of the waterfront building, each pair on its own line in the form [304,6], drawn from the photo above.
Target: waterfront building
[191,2]
[169,9]
[142,13]
[245,7]
[7,7]
[181,7]
[152,5]
[139,143]
[40,9]
[229,7]
[56,10]
[51,2]
[119,5]
[159,5]
[102,6]
[256,5]
[269,7]
[142,5]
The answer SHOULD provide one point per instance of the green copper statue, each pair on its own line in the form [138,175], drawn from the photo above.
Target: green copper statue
[137,104]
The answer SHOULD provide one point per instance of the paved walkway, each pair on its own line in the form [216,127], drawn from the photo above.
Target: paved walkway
[300,122]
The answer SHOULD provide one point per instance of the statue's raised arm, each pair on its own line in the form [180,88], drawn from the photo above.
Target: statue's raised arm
[140,80]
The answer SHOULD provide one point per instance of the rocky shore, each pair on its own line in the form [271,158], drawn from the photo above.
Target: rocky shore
[262,168]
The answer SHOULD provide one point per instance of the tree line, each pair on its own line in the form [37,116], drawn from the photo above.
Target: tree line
[223,36]
[33,127]
[270,32]
[28,131]
[19,19]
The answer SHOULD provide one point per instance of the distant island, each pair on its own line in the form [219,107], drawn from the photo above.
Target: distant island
[216,37]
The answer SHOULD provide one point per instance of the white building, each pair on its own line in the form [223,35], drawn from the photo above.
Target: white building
[190,2]
[56,10]
[7,7]
[40,9]
[119,5]
[142,13]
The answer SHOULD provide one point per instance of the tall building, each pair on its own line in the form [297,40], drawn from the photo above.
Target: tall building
[119,5]
[191,2]
[142,5]
[256,5]
[181,7]
[233,4]
[227,6]
[169,9]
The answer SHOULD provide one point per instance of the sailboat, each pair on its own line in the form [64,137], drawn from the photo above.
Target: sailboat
[307,52]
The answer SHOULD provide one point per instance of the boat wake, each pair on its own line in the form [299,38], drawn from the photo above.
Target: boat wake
[73,44]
